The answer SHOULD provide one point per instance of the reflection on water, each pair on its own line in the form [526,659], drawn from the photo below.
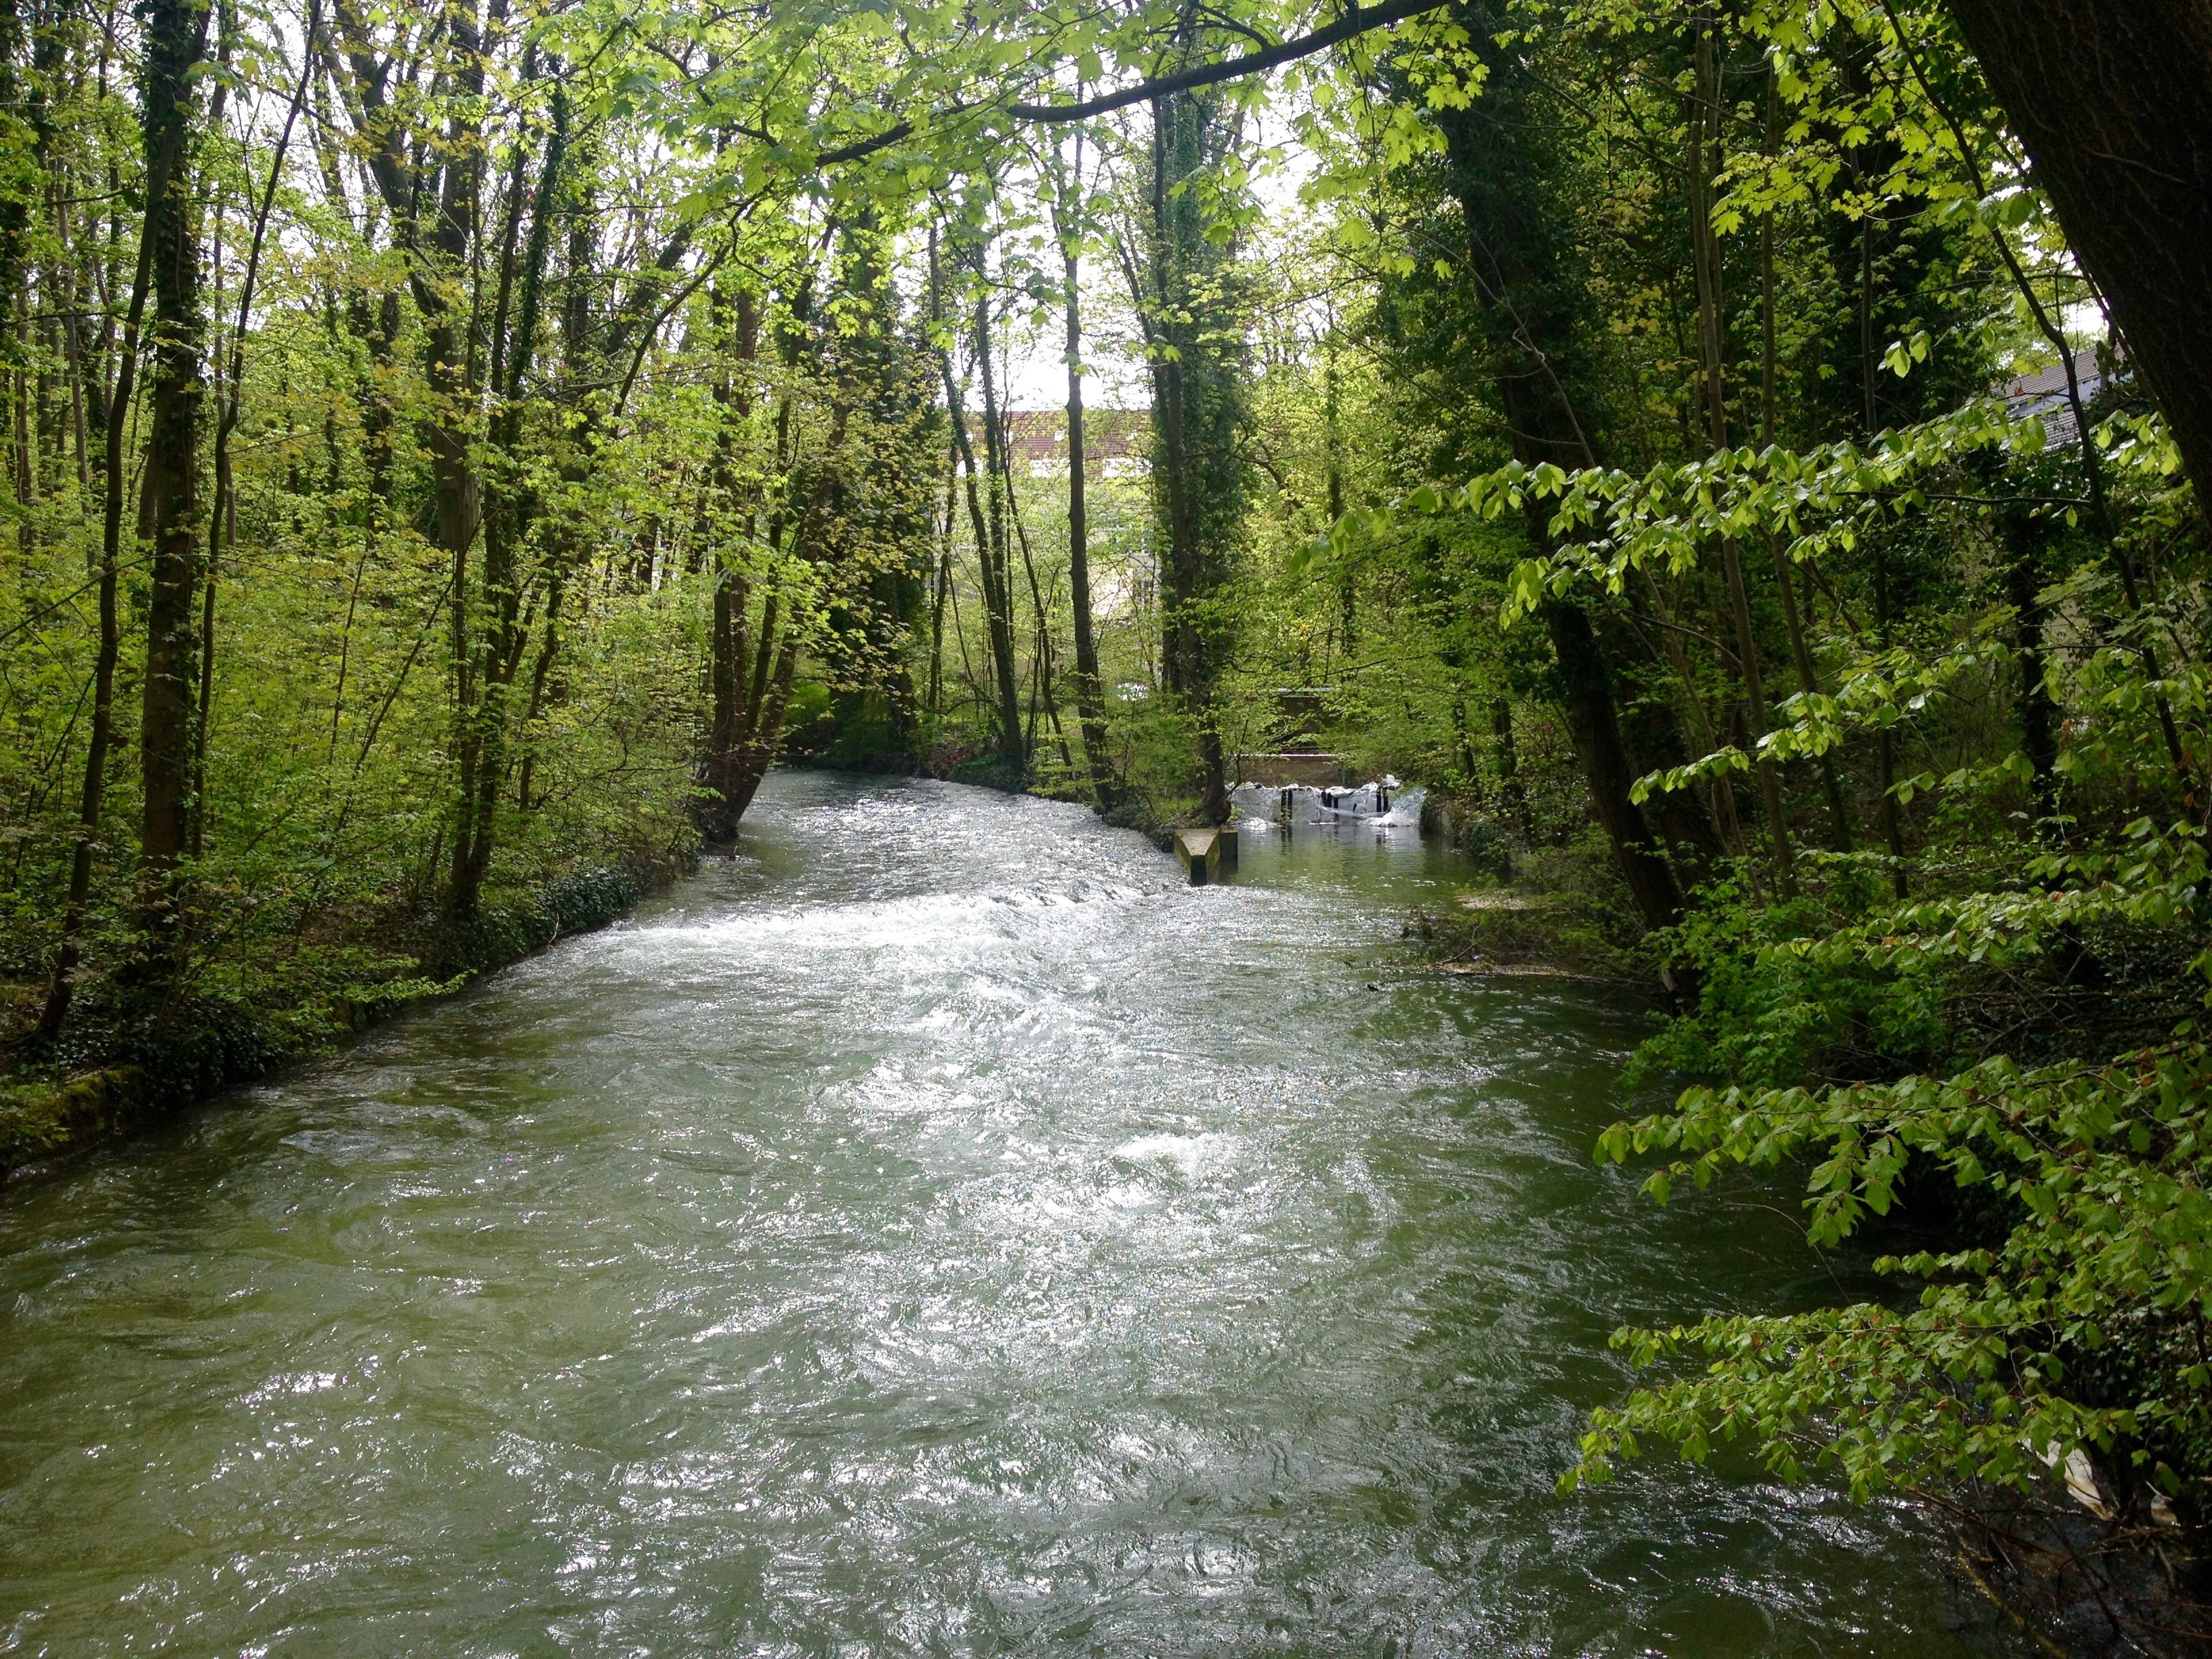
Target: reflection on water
[935,1230]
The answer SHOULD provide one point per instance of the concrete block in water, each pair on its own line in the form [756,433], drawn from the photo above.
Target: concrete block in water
[1201,853]
[1227,841]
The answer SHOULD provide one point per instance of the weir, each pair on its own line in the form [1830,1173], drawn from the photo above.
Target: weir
[1382,804]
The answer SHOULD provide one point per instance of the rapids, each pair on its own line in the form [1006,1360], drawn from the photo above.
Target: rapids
[932,1230]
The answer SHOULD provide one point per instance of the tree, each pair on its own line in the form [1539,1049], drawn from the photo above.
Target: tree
[2113,105]
[176,41]
[1090,693]
[1537,331]
[1194,345]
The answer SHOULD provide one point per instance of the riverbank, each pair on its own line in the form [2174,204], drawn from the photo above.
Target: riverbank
[2097,1560]
[1557,910]
[134,1055]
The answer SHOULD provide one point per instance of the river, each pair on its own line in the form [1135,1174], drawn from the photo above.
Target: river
[932,1229]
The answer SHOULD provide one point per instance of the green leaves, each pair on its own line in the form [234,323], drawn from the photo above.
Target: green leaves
[1719,763]
[1904,353]
[2105,1166]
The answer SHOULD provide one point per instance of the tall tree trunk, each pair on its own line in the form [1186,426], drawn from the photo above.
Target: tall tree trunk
[1532,312]
[994,556]
[1090,694]
[119,403]
[942,588]
[729,659]
[1347,589]
[1006,710]
[1893,818]
[175,42]
[223,523]
[1593,719]
[761,660]
[501,627]
[2039,713]
[558,194]
[16,187]
[443,294]
[1041,667]
[1198,409]
[2092,465]
[1801,654]
[1511,795]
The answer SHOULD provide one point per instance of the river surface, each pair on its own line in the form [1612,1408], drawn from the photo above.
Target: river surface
[934,1229]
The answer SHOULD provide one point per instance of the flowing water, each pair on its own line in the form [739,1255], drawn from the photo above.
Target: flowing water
[934,1229]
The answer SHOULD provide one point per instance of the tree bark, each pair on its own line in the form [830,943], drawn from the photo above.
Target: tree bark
[223,523]
[1893,818]
[2114,104]
[993,555]
[15,197]
[734,769]
[1041,665]
[1090,694]
[176,36]
[1593,719]
[1801,654]
[2024,536]
[941,588]
[440,292]
[62,987]
[1198,406]
[1511,795]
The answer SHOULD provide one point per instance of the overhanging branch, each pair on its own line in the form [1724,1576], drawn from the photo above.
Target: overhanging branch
[1358,20]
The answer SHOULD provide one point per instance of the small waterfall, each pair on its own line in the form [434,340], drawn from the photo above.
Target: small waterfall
[1381,803]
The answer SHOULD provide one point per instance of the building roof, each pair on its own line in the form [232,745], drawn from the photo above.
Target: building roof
[1038,438]
[2043,394]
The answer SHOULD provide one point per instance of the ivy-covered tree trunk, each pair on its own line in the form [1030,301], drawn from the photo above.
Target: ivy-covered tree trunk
[1196,343]
[176,32]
